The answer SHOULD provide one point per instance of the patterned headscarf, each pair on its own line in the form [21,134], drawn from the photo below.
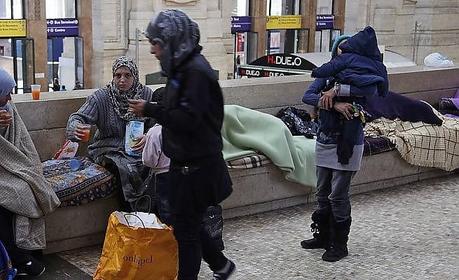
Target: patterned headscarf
[177,35]
[7,84]
[119,99]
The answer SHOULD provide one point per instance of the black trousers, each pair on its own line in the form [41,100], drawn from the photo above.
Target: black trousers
[192,191]
[17,255]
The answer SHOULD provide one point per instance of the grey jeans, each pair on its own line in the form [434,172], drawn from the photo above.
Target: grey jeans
[333,192]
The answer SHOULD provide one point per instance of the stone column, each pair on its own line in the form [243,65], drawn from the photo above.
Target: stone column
[258,13]
[36,29]
[85,22]
[139,17]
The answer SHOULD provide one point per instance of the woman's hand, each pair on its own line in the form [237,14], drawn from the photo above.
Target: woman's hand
[326,100]
[5,118]
[345,109]
[137,106]
[140,144]
[79,132]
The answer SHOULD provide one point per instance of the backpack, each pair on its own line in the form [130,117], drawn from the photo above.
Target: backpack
[7,272]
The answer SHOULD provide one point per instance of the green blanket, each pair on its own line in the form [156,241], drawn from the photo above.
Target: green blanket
[247,131]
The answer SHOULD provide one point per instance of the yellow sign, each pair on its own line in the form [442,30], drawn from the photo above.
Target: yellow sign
[283,22]
[12,28]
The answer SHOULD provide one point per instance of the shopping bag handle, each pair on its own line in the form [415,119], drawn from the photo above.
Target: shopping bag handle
[130,214]
[139,199]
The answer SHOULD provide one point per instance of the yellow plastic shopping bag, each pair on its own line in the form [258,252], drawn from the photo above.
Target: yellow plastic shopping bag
[137,246]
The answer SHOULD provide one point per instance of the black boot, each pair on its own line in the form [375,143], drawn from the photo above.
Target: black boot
[321,232]
[338,248]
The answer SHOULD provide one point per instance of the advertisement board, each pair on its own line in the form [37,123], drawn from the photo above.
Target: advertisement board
[13,28]
[283,22]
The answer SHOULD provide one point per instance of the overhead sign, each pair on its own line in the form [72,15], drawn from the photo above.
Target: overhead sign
[62,27]
[13,28]
[258,72]
[324,22]
[282,60]
[283,22]
[241,24]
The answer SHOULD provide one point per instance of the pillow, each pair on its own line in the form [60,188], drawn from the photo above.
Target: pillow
[90,182]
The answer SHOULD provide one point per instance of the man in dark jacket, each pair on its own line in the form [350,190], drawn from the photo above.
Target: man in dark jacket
[191,114]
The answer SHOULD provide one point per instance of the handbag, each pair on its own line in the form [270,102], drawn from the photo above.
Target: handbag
[137,246]
[213,225]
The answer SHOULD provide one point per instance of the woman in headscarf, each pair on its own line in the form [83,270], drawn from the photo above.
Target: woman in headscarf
[25,195]
[191,116]
[107,109]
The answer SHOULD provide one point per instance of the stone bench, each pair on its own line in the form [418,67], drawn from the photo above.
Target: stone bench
[255,190]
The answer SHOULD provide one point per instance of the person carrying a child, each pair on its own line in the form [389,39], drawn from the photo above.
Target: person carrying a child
[355,72]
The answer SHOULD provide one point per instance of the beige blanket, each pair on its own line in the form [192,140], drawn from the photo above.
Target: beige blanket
[422,144]
[23,189]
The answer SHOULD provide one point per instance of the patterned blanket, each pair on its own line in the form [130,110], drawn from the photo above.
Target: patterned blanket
[90,182]
[422,144]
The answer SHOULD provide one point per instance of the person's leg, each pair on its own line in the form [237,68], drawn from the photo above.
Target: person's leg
[17,255]
[186,220]
[187,232]
[321,216]
[211,254]
[341,222]
[339,196]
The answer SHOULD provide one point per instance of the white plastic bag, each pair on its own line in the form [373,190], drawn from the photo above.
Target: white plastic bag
[437,60]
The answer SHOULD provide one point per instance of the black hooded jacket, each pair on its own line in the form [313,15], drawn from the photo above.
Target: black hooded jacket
[191,112]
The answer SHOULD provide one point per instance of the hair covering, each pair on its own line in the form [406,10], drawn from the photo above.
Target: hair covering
[177,35]
[119,99]
[7,84]
[363,43]
[337,42]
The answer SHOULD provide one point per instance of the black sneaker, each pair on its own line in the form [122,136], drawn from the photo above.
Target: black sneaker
[31,268]
[225,274]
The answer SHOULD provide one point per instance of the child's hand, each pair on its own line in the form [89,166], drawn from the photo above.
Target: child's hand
[346,109]
[326,100]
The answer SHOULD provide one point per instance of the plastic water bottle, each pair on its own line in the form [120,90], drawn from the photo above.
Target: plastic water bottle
[75,164]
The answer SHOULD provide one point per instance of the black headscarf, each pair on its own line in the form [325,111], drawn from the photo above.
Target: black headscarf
[177,35]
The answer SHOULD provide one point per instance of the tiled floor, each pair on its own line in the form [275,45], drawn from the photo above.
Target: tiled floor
[409,232]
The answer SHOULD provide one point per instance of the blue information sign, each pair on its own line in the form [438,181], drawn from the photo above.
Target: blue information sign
[324,22]
[241,24]
[62,27]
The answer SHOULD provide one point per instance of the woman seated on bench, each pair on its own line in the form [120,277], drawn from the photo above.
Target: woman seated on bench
[107,109]
[25,195]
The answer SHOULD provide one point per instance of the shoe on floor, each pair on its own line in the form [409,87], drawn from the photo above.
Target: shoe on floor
[31,268]
[228,270]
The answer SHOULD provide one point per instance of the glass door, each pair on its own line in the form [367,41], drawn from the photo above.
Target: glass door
[23,64]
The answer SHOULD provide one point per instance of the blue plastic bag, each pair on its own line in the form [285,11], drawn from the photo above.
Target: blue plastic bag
[7,272]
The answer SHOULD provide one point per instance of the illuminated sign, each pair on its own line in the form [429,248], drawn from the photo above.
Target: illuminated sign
[283,22]
[324,22]
[286,61]
[241,24]
[13,28]
[62,27]
[247,71]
